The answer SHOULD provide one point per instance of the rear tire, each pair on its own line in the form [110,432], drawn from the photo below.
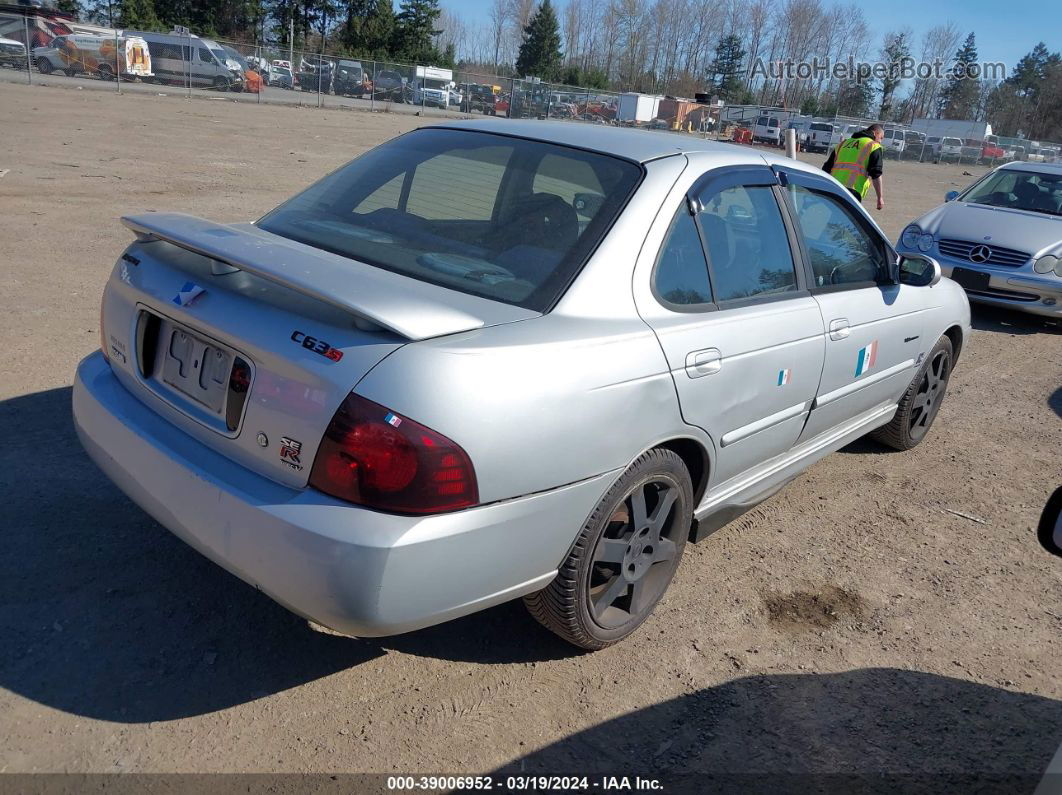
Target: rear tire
[624,557]
[920,403]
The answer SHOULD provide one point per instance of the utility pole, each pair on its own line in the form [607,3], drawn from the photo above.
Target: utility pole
[291,41]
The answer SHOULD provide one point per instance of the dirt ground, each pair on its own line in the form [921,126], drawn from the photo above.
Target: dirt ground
[885,613]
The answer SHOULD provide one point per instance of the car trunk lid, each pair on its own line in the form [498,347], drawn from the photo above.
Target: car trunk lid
[250,342]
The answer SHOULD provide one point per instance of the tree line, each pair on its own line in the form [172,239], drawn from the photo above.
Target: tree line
[367,28]
[675,47]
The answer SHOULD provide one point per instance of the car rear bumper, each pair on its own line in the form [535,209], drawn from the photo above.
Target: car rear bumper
[1023,290]
[357,571]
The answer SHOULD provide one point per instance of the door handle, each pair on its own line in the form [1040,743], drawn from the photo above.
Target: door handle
[839,329]
[705,362]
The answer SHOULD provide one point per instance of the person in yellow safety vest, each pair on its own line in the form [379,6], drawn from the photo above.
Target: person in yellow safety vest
[857,163]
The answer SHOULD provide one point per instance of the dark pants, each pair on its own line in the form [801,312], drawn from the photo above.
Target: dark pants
[856,194]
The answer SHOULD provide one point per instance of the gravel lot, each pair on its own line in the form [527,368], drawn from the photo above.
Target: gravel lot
[885,613]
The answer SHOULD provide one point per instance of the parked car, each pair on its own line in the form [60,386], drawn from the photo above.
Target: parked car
[945,148]
[821,136]
[766,130]
[12,53]
[894,141]
[315,74]
[914,144]
[1001,238]
[389,85]
[991,151]
[480,99]
[349,79]
[281,77]
[505,367]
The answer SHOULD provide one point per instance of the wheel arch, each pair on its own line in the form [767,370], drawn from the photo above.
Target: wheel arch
[697,461]
[954,333]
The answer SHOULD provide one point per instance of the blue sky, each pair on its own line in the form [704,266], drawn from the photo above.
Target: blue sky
[1005,31]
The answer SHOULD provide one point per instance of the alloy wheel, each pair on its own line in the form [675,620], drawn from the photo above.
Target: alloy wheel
[634,559]
[930,394]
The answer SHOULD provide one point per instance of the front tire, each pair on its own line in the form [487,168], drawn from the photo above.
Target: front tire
[920,403]
[44,66]
[624,558]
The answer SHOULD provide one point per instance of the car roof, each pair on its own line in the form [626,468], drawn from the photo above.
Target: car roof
[627,142]
[1040,168]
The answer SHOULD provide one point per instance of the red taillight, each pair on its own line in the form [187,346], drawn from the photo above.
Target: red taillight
[374,457]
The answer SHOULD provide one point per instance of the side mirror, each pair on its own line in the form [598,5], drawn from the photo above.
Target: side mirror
[919,270]
[1050,529]
[951,195]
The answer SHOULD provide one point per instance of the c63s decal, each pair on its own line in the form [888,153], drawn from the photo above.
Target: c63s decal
[317,346]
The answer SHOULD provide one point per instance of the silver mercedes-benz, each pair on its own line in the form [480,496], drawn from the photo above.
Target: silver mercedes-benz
[1001,238]
[500,359]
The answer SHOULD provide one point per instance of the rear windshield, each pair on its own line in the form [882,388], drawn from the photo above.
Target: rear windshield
[822,127]
[494,216]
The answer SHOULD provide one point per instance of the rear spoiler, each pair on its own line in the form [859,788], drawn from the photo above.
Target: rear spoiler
[410,308]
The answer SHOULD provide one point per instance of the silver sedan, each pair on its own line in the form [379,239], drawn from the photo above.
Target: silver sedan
[498,359]
[1001,238]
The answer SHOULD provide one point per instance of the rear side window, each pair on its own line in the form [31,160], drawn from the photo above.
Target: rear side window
[504,218]
[681,275]
[748,248]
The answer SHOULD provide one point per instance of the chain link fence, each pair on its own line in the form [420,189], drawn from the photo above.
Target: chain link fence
[36,51]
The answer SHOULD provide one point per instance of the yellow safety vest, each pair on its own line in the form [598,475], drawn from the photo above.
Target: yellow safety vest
[850,163]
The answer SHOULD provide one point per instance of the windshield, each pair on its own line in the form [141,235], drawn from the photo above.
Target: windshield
[504,218]
[1019,190]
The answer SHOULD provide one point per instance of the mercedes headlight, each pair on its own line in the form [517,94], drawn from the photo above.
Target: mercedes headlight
[925,243]
[1048,264]
[910,235]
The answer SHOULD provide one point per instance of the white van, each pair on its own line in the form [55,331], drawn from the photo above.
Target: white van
[98,55]
[894,141]
[767,130]
[176,59]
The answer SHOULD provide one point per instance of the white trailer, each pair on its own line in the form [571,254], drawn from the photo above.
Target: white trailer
[637,107]
[953,128]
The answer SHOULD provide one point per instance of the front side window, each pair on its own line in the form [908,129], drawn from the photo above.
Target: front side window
[840,250]
[748,248]
[503,218]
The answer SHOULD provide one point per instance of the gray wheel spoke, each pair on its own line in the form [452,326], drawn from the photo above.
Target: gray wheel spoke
[638,510]
[664,550]
[610,550]
[615,589]
[662,512]
[640,596]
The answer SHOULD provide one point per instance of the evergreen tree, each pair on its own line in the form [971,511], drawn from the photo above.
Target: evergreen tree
[1028,75]
[540,53]
[855,97]
[414,31]
[960,96]
[894,53]
[379,30]
[727,72]
[70,7]
[137,15]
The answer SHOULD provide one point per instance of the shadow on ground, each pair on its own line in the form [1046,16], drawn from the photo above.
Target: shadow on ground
[103,613]
[1055,401]
[1007,321]
[873,729]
